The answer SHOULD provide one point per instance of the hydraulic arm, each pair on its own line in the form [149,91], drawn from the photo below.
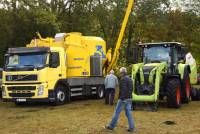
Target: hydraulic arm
[121,35]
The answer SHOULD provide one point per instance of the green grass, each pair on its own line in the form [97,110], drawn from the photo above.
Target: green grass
[90,116]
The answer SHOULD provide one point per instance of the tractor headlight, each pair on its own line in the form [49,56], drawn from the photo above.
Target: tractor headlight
[40,90]
[3,91]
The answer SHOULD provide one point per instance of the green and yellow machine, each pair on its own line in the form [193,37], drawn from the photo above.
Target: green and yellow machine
[163,74]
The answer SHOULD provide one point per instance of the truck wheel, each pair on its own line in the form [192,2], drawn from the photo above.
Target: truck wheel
[173,93]
[62,95]
[186,87]
[100,92]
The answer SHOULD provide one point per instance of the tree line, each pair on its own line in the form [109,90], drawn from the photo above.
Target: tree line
[151,21]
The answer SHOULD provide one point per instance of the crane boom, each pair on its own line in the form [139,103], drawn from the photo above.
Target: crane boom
[121,35]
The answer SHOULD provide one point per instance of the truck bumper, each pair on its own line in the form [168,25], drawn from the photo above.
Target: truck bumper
[29,100]
[50,98]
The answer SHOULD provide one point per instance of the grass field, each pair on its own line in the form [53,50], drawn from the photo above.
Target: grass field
[90,116]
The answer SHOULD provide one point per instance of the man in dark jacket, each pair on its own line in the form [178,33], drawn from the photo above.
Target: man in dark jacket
[125,99]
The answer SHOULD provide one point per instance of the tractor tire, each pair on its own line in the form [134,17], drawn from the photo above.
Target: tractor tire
[186,87]
[100,92]
[133,107]
[62,95]
[173,93]
[154,106]
[194,94]
[198,94]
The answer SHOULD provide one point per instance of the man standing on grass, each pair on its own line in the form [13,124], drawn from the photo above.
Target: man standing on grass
[125,100]
[110,83]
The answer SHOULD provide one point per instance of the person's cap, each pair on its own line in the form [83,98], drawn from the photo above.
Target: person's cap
[123,70]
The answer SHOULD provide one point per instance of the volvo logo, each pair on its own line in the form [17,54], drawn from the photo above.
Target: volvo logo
[19,77]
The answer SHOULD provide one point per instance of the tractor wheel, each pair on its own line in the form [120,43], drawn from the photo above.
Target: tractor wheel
[133,105]
[154,106]
[194,94]
[174,93]
[198,95]
[100,92]
[186,87]
[62,95]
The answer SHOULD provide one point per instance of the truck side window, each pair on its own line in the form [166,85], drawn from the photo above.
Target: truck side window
[54,60]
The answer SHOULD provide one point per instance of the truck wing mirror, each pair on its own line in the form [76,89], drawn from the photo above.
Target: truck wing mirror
[132,56]
[54,60]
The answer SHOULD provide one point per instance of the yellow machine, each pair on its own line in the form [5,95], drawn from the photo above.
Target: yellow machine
[56,69]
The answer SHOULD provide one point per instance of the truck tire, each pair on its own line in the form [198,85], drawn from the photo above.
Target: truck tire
[62,95]
[186,87]
[173,93]
[100,92]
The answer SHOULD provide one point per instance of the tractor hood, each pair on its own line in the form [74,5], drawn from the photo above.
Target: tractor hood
[150,66]
[153,64]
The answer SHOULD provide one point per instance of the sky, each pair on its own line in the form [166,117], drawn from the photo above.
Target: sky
[175,3]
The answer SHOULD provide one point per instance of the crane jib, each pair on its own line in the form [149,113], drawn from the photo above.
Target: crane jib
[121,35]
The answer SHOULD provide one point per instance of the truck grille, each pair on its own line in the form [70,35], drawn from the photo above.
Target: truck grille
[21,88]
[21,77]
[21,94]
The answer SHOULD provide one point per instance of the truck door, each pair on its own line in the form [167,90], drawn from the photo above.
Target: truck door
[55,72]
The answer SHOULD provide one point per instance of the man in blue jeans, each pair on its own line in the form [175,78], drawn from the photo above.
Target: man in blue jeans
[125,99]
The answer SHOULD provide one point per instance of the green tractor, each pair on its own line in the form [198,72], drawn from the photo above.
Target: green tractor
[164,74]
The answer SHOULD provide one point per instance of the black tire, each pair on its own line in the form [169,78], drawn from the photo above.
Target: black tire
[173,93]
[154,107]
[185,88]
[62,95]
[195,94]
[100,92]
[1,94]
[133,105]
[198,94]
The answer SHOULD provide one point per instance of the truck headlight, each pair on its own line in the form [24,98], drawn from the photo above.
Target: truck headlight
[40,90]
[3,91]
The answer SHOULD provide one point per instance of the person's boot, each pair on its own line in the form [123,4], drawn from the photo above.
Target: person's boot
[108,127]
[131,130]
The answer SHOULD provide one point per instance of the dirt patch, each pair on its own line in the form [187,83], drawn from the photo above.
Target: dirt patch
[169,122]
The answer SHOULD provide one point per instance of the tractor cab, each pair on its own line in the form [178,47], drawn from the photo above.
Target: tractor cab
[172,53]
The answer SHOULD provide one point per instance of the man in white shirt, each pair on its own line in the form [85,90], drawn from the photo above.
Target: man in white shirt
[110,83]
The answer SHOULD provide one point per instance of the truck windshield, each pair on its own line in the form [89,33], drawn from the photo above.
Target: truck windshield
[156,54]
[27,60]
